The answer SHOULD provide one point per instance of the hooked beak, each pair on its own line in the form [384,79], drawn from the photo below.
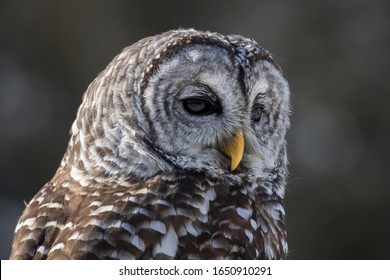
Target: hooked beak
[234,148]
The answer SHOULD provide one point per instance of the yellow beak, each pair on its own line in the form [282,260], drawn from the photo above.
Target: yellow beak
[234,148]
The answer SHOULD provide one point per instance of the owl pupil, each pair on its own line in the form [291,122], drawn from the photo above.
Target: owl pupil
[256,114]
[197,106]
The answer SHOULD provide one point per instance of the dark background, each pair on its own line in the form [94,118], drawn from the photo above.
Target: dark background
[335,55]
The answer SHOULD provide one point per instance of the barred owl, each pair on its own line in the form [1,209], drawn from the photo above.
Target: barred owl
[178,151]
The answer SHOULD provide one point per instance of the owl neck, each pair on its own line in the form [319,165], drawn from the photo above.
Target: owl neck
[140,160]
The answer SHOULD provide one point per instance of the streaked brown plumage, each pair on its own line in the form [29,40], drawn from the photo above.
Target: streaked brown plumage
[146,174]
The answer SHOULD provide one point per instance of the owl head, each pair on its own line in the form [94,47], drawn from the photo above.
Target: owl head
[183,100]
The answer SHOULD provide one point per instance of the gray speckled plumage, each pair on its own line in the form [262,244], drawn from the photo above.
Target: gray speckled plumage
[145,178]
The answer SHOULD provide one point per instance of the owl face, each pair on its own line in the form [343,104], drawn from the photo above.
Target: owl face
[206,112]
[196,104]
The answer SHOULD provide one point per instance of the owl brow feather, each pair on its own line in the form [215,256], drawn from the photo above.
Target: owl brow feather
[185,39]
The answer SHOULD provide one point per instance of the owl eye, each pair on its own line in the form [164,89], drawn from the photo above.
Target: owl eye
[256,113]
[198,106]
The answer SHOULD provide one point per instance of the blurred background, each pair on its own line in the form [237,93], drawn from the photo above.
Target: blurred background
[335,54]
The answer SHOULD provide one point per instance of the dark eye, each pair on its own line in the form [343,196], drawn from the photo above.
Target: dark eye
[198,106]
[256,113]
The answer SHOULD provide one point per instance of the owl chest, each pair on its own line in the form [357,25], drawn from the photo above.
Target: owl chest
[239,227]
[204,223]
[209,224]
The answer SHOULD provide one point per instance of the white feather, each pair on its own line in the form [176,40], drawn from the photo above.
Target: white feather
[168,244]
